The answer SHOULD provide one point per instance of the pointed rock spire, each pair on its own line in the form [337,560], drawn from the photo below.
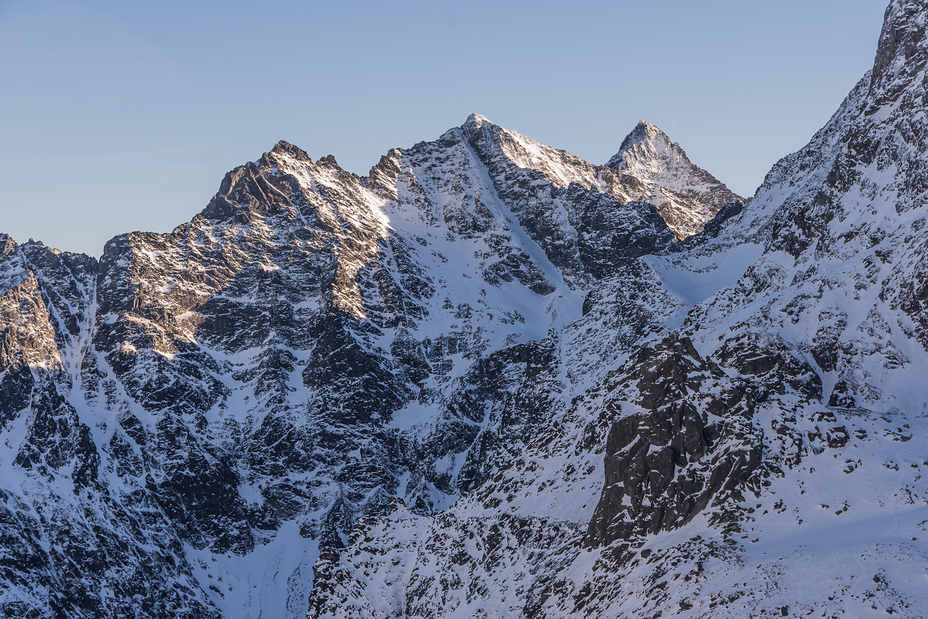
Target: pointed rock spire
[684,194]
[644,143]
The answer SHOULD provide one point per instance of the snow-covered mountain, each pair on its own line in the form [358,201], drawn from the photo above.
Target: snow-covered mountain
[488,380]
[224,400]
[762,451]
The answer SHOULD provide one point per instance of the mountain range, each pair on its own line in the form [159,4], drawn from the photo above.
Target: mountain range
[489,379]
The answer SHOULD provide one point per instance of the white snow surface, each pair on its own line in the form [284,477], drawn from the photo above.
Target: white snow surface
[272,581]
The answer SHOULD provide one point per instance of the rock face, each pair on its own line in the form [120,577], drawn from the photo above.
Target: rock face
[486,380]
[685,450]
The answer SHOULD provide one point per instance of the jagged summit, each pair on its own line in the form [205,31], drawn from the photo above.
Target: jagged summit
[684,194]
[483,381]
[477,119]
[649,135]
[648,154]
[867,165]
[807,330]
[287,149]
[651,168]
[903,47]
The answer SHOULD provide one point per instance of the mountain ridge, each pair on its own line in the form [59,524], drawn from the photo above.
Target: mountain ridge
[485,380]
[807,348]
[216,375]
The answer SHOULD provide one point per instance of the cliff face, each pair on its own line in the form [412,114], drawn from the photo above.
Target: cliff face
[486,380]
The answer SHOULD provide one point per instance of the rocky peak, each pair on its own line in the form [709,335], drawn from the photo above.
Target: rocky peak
[485,330]
[482,135]
[7,245]
[580,214]
[657,170]
[476,120]
[498,146]
[287,149]
[868,157]
[642,147]
[903,48]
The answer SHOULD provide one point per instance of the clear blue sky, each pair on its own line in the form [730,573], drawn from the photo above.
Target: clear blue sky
[121,116]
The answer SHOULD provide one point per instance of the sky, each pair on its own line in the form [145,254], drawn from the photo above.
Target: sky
[123,116]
